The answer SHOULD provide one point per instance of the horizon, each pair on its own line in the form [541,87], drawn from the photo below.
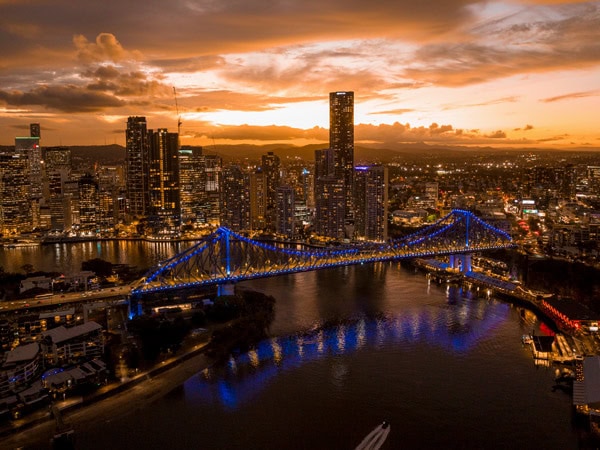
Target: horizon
[520,74]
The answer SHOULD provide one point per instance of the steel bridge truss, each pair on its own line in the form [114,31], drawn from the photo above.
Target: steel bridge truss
[226,256]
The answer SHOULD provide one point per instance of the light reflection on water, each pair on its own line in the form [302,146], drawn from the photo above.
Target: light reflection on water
[350,347]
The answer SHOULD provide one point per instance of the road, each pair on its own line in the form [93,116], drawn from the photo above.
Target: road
[66,298]
[115,407]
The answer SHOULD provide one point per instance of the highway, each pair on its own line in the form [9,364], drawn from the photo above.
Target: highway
[65,298]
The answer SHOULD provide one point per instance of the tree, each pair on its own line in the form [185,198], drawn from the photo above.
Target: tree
[99,266]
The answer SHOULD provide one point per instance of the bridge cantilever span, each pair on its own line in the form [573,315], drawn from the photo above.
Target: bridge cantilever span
[226,256]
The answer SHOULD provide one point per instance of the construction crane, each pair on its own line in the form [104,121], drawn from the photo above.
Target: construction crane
[177,110]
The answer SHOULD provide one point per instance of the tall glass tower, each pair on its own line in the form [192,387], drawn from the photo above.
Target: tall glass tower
[137,166]
[341,141]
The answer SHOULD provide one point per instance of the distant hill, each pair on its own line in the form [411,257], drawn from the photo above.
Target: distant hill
[115,154]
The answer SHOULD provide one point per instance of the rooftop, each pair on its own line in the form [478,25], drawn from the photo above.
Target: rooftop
[61,334]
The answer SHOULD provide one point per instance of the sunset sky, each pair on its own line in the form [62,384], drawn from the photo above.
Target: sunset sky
[520,73]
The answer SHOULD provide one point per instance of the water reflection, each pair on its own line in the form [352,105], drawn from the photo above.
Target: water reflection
[455,330]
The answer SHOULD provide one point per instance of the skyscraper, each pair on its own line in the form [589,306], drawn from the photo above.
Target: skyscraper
[235,201]
[34,130]
[57,161]
[163,179]
[15,202]
[270,166]
[258,199]
[136,160]
[286,223]
[29,148]
[371,202]
[88,202]
[341,141]
[191,175]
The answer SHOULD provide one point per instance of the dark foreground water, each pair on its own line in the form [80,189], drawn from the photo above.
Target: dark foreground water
[351,347]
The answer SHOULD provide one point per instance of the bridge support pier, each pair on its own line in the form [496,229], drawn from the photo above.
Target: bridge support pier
[134,306]
[226,289]
[461,262]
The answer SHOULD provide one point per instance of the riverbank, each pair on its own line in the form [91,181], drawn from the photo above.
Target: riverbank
[109,402]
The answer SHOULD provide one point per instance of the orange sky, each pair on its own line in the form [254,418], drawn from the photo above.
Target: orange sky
[463,72]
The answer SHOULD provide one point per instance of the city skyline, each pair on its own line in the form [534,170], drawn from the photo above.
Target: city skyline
[520,73]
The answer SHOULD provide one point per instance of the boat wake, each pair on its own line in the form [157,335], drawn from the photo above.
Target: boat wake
[375,439]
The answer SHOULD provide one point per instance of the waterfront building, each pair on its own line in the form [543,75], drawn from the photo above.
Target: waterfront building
[191,170]
[57,165]
[15,201]
[258,199]
[88,203]
[271,168]
[341,141]
[71,203]
[235,199]
[286,220]
[20,367]
[62,345]
[210,190]
[330,207]
[136,161]
[30,148]
[163,181]
[371,202]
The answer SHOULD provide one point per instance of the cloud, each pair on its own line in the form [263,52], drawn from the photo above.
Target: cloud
[496,135]
[65,98]
[105,48]
[571,96]
[264,133]
[398,111]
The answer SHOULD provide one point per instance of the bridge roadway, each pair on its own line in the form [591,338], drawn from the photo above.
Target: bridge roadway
[67,298]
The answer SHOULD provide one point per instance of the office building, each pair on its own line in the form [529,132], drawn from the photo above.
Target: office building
[341,142]
[136,161]
[15,201]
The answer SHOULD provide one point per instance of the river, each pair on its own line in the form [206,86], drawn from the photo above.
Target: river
[349,348]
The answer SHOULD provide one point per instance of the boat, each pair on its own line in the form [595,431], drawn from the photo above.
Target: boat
[375,439]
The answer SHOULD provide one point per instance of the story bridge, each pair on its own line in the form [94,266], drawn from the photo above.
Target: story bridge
[225,257]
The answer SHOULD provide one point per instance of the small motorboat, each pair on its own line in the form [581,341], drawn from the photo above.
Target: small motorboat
[375,439]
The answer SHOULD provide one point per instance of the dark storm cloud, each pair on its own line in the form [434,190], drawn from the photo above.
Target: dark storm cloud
[66,98]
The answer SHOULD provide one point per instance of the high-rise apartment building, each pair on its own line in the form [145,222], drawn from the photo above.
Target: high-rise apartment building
[235,201]
[341,141]
[163,180]
[371,202]
[286,221]
[88,203]
[136,161]
[210,190]
[57,163]
[330,210]
[30,148]
[271,167]
[15,200]
[258,200]
[191,175]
